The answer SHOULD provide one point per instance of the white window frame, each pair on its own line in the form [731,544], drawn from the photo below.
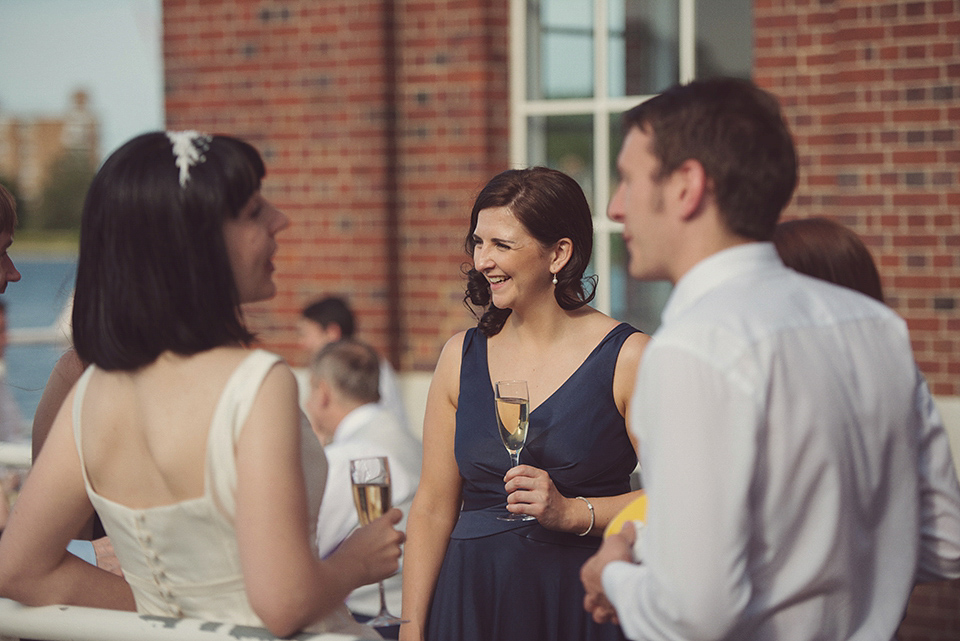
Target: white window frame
[600,107]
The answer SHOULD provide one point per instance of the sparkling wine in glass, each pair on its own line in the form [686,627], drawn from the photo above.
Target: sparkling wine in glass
[513,419]
[370,478]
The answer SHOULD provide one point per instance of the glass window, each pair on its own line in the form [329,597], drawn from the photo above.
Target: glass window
[643,46]
[564,143]
[576,66]
[724,38]
[560,49]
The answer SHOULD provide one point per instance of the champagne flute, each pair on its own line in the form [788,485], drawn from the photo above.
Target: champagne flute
[513,419]
[370,478]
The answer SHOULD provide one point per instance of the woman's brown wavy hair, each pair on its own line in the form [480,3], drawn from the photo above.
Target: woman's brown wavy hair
[551,206]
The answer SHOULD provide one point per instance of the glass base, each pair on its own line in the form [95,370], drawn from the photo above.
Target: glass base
[510,516]
[385,620]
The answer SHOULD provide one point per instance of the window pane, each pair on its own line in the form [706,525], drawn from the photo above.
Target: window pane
[616,140]
[636,302]
[644,36]
[724,38]
[564,143]
[559,49]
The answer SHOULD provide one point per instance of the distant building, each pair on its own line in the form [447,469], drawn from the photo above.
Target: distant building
[29,146]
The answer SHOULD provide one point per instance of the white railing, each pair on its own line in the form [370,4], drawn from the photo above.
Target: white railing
[15,454]
[72,623]
[57,333]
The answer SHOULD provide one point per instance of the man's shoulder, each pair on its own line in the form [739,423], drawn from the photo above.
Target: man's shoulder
[376,426]
[782,297]
[742,313]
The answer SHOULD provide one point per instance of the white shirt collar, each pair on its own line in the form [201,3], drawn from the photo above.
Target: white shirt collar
[716,269]
[354,421]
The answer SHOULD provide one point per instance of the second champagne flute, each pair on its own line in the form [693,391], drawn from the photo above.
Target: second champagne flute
[371,494]
[513,419]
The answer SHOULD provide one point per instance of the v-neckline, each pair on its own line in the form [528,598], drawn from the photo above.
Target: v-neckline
[486,362]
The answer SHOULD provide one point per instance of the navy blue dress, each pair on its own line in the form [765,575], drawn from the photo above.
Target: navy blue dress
[503,580]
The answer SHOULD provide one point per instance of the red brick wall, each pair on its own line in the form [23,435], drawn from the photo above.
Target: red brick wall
[379,120]
[872,90]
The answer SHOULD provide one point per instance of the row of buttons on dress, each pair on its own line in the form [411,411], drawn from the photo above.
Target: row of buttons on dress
[153,560]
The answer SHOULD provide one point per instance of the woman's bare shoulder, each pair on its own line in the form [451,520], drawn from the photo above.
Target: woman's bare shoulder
[452,350]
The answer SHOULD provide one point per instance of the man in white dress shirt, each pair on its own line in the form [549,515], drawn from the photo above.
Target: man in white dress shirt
[347,418]
[799,479]
[330,319]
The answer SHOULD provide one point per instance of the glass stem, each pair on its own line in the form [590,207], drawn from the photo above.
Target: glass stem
[515,458]
[383,601]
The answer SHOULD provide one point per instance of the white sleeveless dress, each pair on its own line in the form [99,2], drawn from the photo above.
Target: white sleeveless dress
[182,560]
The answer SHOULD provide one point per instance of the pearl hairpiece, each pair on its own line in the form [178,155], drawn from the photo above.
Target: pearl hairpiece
[188,147]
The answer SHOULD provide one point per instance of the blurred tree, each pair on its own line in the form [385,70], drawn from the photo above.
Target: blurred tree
[61,199]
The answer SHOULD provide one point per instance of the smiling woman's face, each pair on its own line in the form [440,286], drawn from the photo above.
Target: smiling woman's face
[512,260]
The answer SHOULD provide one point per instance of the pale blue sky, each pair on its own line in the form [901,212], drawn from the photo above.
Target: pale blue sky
[49,48]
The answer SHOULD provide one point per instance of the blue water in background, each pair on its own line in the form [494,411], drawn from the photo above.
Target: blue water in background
[36,301]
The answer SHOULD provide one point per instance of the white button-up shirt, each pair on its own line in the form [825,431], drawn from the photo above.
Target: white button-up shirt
[369,430]
[799,479]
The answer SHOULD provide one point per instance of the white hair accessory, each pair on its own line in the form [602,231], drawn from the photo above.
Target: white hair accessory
[188,147]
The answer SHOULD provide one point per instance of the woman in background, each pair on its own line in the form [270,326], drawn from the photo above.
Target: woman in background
[189,444]
[825,249]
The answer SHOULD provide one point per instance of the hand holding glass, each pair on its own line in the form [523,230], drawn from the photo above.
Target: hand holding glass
[370,478]
[513,419]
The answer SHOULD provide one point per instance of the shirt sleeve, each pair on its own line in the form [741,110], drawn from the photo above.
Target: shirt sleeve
[390,397]
[698,435]
[338,516]
[83,550]
[939,495]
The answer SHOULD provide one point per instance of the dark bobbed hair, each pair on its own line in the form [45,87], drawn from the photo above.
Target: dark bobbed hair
[332,309]
[736,131]
[551,206]
[8,211]
[153,272]
[825,249]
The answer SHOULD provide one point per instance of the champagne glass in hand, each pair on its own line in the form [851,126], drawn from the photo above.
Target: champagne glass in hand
[370,478]
[513,419]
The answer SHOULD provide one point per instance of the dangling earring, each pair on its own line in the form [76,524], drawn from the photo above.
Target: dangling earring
[554,280]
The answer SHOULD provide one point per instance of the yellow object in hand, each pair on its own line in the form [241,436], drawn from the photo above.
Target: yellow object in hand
[636,510]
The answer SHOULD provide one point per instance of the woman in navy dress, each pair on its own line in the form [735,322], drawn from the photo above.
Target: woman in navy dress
[468,575]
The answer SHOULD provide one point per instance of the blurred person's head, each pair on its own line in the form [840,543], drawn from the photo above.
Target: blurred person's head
[175,237]
[550,206]
[8,222]
[324,321]
[344,375]
[827,250]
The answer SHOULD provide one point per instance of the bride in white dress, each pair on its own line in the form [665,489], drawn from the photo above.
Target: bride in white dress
[190,445]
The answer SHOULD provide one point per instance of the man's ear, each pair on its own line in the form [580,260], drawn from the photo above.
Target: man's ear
[323,392]
[332,332]
[691,187]
[560,255]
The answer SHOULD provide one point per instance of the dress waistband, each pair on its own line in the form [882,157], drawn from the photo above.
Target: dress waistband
[475,524]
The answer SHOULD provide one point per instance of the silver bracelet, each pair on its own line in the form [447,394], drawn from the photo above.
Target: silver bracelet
[592,516]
